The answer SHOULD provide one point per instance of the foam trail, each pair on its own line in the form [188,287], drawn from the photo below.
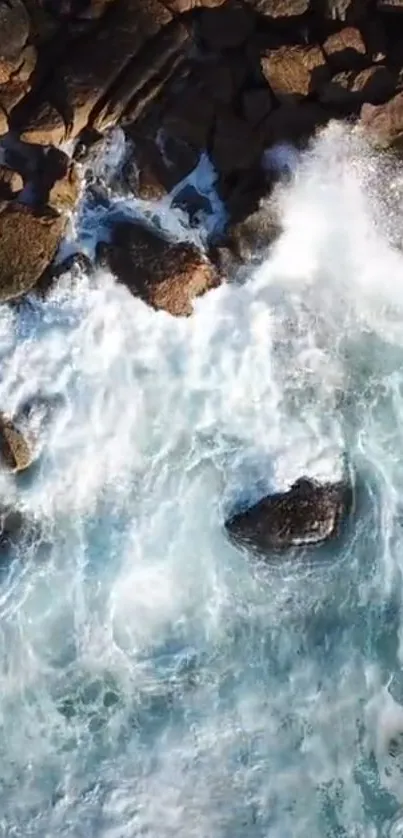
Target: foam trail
[156,681]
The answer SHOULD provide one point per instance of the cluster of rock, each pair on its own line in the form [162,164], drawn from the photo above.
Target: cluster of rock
[232,77]
[181,77]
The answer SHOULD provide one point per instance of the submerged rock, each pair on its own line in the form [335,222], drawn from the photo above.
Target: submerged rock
[309,513]
[165,274]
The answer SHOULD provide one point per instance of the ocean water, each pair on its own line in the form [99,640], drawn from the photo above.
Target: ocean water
[155,681]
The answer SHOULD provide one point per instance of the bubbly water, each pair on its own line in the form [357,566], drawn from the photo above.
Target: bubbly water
[155,680]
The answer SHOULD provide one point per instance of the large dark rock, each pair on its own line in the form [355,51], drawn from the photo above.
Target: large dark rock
[308,514]
[167,275]
[29,240]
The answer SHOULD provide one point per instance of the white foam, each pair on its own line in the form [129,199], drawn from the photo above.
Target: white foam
[154,680]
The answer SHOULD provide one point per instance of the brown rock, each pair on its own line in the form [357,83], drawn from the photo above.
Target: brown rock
[15,451]
[180,6]
[384,123]
[11,183]
[20,84]
[390,5]
[295,123]
[3,123]
[256,105]
[256,232]
[294,71]
[352,89]
[351,11]
[190,118]
[345,50]
[64,193]
[145,77]
[281,8]
[29,241]
[91,69]
[44,126]
[309,513]
[14,30]
[228,26]
[236,144]
[167,275]
[221,80]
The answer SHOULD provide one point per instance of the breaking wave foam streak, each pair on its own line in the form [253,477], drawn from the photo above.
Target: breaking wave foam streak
[156,681]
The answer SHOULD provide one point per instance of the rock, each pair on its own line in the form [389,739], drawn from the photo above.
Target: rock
[76,265]
[29,240]
[390,5]
[167,275]
[11,527]
[145,77]
[44,125]
[256,105]
[3,122]
[65,191]
[191,201]
[281,8]
[190,118]
[236,144]
[255,233]
[345,10]
[11,183]
[295,71]
[90,70]
[180,6]
[384,123]
[294,123]
[226,27]
[351,89]
[345,50]
[242,191]
[309,513]
[221,80]
[14,32]
[16,453]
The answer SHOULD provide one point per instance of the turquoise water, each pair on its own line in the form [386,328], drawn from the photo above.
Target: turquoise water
[155,680]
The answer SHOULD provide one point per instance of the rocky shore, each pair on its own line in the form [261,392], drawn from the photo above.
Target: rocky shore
[225,78]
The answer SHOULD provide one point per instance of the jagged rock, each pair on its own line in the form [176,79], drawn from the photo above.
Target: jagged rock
[281,8]
[191,117]
[351,89]
[3,123]
[65,191]
[167,275]
[227,27]
[390,5]
[295,70]
[11,183]
[295,123]
[11,527]
[29,240]
[384,123]
[44,126]
[146,76]
[14,32]
[236,145]
[345,50]
[308,514]
[256,105]
[87,72]
[15,451]
[254,233]
[180,6]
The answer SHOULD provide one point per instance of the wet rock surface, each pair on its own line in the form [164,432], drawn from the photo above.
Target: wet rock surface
[165,274]
[309,513]
[16,452]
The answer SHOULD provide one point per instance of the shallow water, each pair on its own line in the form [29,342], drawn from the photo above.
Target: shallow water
[156,681]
